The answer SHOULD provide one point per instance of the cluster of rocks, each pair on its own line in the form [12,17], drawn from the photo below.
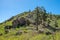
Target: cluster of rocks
[20,22]
[20,32]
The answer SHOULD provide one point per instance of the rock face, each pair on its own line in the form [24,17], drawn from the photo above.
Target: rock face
[15,23]
[20,22]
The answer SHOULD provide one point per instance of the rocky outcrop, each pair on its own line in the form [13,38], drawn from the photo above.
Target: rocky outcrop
[20,22]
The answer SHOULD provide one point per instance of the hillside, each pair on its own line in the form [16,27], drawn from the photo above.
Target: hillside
[31,25]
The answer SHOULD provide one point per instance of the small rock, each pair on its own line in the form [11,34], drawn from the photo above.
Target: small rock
[48,33]
[6,31]
[19,33]
[1,34]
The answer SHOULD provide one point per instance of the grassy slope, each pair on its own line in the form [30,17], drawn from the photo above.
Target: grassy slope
[28,36]
[31,36]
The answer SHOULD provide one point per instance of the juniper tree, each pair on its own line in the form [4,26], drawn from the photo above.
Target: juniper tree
[40,16]
[56,24]
[43,16]
[37,18]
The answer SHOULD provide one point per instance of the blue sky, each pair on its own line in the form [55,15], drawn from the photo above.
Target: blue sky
[9,8]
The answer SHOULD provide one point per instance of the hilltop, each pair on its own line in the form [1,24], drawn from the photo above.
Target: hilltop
[31,25]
